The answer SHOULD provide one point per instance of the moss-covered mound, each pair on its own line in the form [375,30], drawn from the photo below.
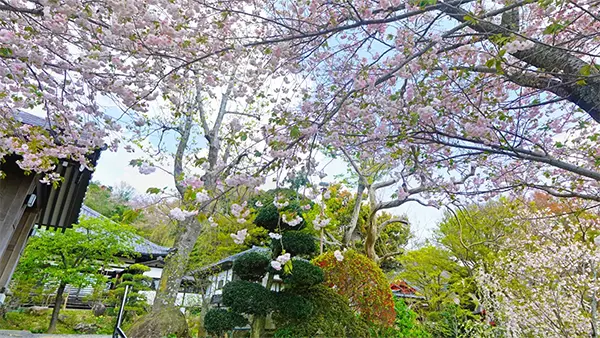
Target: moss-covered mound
[164,323]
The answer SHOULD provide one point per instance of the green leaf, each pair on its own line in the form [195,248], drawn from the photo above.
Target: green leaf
[153,191]
[5,51]
[586,70]
[295,132]
[554,28]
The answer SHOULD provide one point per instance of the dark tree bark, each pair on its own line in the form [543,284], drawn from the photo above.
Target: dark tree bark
[57,304]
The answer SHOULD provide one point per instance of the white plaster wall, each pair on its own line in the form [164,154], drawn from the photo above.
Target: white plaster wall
[154,272]
[191,299]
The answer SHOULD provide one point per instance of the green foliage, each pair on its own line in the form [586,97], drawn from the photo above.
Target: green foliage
[127,277]
[452,321]
[331,317]
[291,305]
[360,279]
[405,325]
[219,321]
[136,304]
[137,269]
[247,297]
[111,202]
[76,256]
[296,243]
[303,275]
[268,215]
[215,243]
[22,320]
[473,235]
[251,266]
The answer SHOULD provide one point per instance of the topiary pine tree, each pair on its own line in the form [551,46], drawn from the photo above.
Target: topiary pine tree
[249,296]
[136,304]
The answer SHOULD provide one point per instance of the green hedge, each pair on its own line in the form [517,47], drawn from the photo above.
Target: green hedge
[296,243]
[291,305]
[268,215]
[331,316]
[303,275]
[219,321]
[251,266]
[247,297]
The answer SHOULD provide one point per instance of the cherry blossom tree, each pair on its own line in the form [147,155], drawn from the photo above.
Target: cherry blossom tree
[493,85]
[545,282]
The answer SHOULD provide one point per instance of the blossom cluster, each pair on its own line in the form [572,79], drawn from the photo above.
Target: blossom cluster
[319,223]
[241,212]
[292,222]
[240,236]
[280,261]
[181,215]
[280,203]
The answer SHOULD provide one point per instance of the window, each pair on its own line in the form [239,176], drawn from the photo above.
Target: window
[220,284]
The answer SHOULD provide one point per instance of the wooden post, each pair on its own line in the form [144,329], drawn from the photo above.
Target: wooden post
[8,261]
[14,189]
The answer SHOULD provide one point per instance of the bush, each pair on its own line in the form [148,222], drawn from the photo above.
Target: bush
[303,275]
[251,266]
[268,215]
[219,321]
[127,277]
[406,324]
[290,305]
[296,243]
[247,297]
[358,278]
[137,269]
[331,317]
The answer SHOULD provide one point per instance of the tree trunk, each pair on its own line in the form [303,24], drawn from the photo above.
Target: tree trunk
[372,236]
[175,264]
[372,229]
[258,326]
[355,214]
[57,303]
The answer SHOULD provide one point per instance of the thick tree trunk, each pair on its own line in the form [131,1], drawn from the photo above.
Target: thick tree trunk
[372,236]
[355,214]
[175,264]
[56,310]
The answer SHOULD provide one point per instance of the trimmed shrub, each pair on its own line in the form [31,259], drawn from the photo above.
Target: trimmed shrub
[268,215]
[127,277]
[137,269]
[247,297]
[219,321]
[296,243]
[303,275]
[331,317]
[290,305]
[358,278]
[251,266]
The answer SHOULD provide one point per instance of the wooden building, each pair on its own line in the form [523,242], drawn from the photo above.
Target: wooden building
[25,202]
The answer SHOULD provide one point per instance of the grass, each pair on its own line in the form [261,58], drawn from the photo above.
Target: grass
[21,320]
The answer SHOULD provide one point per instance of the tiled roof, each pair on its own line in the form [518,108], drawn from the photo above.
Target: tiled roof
[234,257]
[403,290]
[31,119]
